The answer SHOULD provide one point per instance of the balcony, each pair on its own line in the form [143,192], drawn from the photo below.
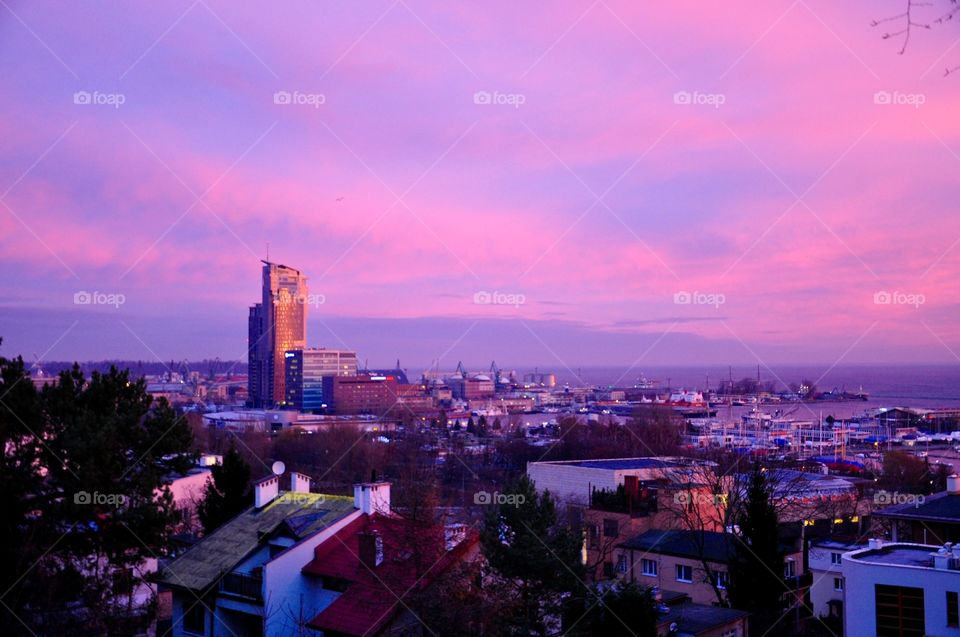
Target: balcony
[243,585]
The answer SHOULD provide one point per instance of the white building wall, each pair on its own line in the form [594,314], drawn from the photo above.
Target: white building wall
[288,594]
[862,577]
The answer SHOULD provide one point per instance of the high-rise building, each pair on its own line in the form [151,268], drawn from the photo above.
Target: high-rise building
[306,370]
[282,327]
[254,367]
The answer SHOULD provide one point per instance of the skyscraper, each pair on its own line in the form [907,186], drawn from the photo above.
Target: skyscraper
[276,325]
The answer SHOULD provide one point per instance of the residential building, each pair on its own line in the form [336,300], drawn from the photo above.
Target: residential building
[695,563]
[573,481]
[276,325]
[244,578]
[902,589]
[370,562]
[931,519]
[683,617]
[299,561]
[825,562]
[307,370]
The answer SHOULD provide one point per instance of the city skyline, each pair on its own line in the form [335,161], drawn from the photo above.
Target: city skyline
[682,195]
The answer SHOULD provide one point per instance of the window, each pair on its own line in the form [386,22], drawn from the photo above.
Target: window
[789,568]
[836,558]
[610,527]
[684,573]
[594,536]
[838,584]
[900,611]
[721,579]
[648,567]
[622,564]
[953,609]
[194,617]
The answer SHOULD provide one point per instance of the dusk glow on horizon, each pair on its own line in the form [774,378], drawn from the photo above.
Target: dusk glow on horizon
[570,184]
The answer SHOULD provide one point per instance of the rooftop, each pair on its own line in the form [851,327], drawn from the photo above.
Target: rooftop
[916,555]
[717,547]
[619,464]
[694,619]
[299,514]
[942,507]
[374,593]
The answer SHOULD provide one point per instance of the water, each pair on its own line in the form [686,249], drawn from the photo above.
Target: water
[888,385]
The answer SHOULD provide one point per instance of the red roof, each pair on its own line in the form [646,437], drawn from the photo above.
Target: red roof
[373,595]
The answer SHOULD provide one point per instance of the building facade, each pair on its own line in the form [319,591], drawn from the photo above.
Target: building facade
[907,590]
[276,325]
[306,370]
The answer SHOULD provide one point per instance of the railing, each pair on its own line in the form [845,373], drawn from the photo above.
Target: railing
[242,585]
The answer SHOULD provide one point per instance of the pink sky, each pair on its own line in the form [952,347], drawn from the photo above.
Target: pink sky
[598,198]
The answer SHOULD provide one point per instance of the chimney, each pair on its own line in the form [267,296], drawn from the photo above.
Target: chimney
[299,483]
[372,497]
[370,549]
[942,558]
[265,491]
[875,543]
[953,484]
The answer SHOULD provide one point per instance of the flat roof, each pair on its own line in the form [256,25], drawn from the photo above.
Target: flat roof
[918,555]
[942,507]
[618,464]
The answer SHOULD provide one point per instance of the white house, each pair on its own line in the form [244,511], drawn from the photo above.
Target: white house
[245,580]
[825,562]
[902,589]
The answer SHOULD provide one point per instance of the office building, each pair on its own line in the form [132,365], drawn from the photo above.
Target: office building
[306,371]
[276,325]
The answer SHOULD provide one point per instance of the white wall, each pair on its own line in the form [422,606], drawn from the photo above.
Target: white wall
[288,593]
[861,578]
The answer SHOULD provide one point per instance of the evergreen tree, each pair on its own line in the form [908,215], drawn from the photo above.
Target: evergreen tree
[82,482]
[535,560]
[227,493]
[756,570]
[620,609]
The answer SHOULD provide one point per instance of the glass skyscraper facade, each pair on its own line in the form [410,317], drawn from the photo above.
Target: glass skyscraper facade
[306,371]
[276,325]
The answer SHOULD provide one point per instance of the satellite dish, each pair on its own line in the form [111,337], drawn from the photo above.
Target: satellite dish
[279,468]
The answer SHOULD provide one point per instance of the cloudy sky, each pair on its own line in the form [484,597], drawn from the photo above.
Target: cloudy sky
[562,183]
